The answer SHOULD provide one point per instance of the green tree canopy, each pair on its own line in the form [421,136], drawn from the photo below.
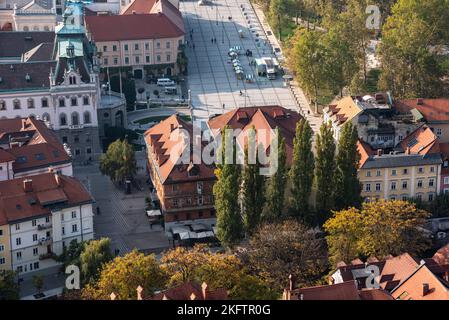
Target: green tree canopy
[9,289]
[301,171]
[226,194]
[347,187]
[119,162]
[94,255]
[276,185]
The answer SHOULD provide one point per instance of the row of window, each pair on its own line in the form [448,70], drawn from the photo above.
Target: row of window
[405,171]
[33,266]
[16,103]
[137,59]
[74,118]
[36,28]
[394,184]
[137,46]
[419,196]
[33,223]
[199,200]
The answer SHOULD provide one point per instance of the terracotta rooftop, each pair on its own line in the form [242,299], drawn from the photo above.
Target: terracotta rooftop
[35,196]
[421,141]
[442,255]
[422,284]
[39,145]
[261,118]
[166,153]
[132,27]
[138,7]
[433,110]
[191,291]
[392,271]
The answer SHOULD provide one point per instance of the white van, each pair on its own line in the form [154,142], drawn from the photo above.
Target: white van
[165,82]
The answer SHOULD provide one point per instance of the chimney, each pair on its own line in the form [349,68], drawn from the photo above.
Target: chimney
[419,101]
[204,290]
[425,289]
[379,152]
[292,282]
[139,293]
[407,151]
[28,185]
[58,179]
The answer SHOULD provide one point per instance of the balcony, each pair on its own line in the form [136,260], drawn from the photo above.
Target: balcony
[45,240]
[44,226]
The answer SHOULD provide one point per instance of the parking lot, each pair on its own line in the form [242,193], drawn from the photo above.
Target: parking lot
[211,78]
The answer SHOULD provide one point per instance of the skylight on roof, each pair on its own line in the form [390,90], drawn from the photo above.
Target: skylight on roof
[39,156]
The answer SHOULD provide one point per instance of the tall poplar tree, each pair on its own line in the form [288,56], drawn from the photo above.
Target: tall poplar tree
[275,190]
[302,171]
[347,186]
[226,194]
[253,186]
[324,171]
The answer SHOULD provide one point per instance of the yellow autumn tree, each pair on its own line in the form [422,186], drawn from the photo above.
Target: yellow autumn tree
[218,270]
[380,228]
[123,275]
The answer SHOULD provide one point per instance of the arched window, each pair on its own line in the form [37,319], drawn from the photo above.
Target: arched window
[16,104]
[26,28]
[62,119]
[75,119]
[72,80]
[86,117]
[30,103]
[46,117]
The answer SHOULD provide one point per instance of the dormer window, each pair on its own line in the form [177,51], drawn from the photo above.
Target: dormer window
[445,163]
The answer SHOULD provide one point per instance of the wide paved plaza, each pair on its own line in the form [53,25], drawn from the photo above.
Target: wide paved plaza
[211,79]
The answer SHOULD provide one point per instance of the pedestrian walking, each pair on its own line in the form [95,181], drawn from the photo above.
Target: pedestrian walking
[212,40]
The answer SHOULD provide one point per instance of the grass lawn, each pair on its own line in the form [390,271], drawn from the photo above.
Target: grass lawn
[160,118]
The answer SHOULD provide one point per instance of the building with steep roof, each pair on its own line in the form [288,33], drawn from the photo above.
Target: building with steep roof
[53,76]
[411,170]
[183,186]
[28,147]
[433,112]
[40,215]
[146,43]
[263,119]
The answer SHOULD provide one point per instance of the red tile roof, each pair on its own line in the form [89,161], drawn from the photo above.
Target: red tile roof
[41,147]
[46,189]
[132,27]
[166,143]
[431,109]
[442,255]
[421,285]
[191,291]
[261,118]
[138,7]
[392,271]
[421,141]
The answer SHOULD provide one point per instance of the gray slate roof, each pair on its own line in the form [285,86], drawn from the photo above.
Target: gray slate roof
[401,160]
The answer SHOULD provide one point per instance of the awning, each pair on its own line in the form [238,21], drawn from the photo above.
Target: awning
[153,213]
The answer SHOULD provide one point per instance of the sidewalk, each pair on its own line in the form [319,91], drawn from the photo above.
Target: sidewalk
[308,112]
[52,280]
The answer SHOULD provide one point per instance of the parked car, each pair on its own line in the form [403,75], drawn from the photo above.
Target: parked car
[165,82]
